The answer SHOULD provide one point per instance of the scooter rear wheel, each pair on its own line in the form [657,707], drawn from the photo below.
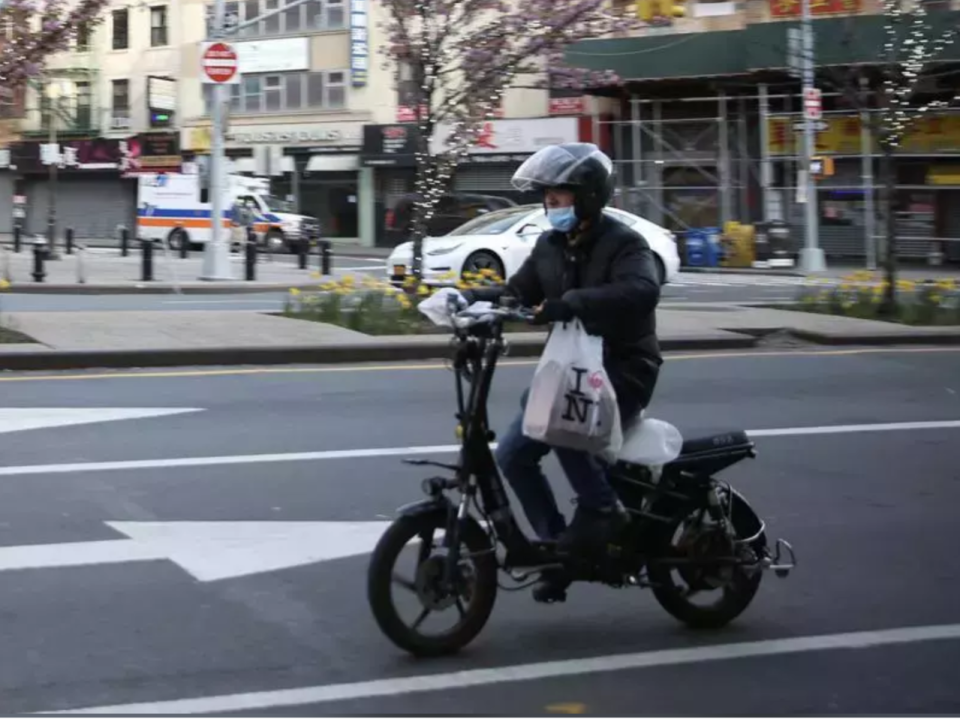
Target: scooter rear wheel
[472,602]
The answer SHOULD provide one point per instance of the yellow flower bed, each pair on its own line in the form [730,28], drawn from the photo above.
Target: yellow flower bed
[371,305]
[861,294]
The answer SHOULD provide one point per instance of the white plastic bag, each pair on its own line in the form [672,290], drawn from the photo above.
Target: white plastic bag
[572,403]
[436,307]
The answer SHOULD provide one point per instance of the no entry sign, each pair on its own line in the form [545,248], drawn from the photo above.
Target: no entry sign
[219,63]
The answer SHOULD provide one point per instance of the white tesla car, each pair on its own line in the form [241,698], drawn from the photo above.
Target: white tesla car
[502,240]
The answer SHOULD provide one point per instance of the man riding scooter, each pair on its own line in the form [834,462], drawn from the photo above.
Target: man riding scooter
[593,268]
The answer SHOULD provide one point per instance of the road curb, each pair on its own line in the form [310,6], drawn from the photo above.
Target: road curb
[161,288]
[772,272]
[877,340]
[388,351]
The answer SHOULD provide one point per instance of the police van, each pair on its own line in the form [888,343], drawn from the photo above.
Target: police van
[173,207]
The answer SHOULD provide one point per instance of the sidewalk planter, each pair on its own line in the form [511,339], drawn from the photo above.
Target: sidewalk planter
[860,295]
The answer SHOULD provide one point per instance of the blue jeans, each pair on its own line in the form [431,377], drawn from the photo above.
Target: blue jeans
[519,459]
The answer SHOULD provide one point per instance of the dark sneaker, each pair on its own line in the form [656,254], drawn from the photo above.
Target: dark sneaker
[552,587]
[593,528]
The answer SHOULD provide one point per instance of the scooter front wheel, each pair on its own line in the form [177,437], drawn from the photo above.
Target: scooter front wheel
[470,600]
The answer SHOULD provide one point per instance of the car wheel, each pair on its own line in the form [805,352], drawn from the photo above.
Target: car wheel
[178,238]
[483,260]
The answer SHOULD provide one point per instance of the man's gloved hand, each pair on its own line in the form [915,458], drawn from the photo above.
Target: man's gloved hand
[553,311]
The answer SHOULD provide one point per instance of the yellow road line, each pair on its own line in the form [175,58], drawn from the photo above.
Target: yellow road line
[435,366]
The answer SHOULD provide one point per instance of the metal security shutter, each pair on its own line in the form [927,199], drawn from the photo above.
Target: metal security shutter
[484,178]
[92,206]
[6,203]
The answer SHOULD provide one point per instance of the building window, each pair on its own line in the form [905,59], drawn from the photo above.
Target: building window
[285,92]
[158,26]
[84,114]
[304,17]
[121,29]
[120,102]
[83,37]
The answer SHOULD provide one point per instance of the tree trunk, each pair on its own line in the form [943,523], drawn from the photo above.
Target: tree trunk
[888,172]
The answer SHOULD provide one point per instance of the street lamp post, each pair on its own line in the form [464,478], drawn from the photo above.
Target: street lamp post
[812,256]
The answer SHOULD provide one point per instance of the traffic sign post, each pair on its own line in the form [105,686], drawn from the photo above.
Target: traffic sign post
[219,66]
[219,63]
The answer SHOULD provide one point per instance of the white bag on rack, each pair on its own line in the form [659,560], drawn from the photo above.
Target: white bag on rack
[572,403]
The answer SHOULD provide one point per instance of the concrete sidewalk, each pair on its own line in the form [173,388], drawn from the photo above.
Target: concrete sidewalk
[134,339]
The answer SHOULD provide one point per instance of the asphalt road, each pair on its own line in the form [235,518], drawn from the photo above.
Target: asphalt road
[688,287]
[872,515]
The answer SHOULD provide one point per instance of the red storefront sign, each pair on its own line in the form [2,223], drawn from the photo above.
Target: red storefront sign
[566,105]
[791,8]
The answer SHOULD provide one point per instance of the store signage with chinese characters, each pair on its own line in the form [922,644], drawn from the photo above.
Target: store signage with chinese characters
[792,8]
[71,155]
[359,43]
[152,152]
[389,145]
[512,139]
[841,136]
[566,105]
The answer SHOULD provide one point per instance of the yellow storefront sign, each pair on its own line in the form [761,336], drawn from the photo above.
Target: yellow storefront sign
[937,133]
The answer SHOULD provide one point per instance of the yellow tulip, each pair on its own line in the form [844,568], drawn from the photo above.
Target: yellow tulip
[294,291]
[4,285]
[423,290]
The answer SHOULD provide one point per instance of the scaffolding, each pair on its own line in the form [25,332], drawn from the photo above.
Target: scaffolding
[705,161]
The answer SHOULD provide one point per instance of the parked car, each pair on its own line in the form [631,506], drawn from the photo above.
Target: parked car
[501,240]
[453,209]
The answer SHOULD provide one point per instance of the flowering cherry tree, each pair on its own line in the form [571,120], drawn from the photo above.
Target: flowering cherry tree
[455,59]
[37,30]
[911,44]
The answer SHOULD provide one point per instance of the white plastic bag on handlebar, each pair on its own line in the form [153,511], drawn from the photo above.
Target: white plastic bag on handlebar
[572,403]
[436,307]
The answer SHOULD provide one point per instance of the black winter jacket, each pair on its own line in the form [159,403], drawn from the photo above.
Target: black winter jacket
[610,280]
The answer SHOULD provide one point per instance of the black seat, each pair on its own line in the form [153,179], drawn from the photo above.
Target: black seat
[714,443]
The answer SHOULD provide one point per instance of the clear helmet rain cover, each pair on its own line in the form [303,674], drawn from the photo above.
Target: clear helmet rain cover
[557,165]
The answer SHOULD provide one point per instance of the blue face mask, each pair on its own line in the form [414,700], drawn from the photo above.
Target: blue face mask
[562,218]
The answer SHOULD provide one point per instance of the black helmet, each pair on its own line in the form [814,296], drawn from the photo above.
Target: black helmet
[577,166]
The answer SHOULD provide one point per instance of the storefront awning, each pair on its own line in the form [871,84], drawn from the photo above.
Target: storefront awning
[758,46]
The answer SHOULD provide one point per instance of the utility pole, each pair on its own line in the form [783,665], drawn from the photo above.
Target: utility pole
[216,253]
[811,258]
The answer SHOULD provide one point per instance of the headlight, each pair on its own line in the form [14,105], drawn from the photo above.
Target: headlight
[443,250]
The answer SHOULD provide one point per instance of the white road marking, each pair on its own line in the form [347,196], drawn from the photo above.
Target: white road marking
[208,551]
[134,464]
[322,694]
[849,428]
[19,419]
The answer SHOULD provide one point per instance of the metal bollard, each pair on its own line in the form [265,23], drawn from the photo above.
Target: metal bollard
[326,257]
[124,241]
[39,257]
[184,245]
[7,272]
[304,247]
[68,240]
[146,274]
[16,238]
[250,260]
[81,265]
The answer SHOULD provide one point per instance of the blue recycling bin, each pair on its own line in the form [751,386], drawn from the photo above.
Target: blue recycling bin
[703,247]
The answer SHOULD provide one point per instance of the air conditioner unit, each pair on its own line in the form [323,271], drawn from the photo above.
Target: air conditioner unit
[120,123]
